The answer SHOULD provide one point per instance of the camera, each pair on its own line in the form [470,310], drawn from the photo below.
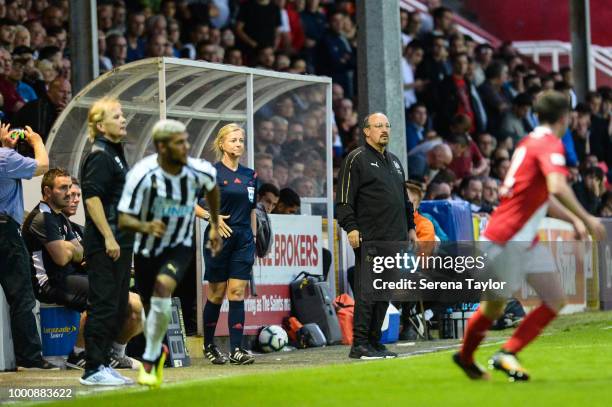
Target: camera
[22,147]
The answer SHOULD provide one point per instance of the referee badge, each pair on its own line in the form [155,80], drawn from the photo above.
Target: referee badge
[251,191]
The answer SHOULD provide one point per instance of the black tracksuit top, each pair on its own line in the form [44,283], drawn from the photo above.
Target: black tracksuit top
[371,197]
[103,175]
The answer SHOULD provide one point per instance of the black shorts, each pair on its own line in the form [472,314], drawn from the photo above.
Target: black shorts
[235,260]
[172,262]
[70,291]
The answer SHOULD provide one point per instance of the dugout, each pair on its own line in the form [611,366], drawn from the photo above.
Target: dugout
[206,96]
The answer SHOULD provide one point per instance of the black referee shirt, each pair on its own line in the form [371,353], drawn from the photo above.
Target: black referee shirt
[103,175]
[371,197]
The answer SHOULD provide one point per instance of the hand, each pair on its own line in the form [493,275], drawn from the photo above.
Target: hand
[419,85]
[412,236]
[112,248]
[224,230]
[596,228]
[156,228]
[32,137]
[215,243]
[354,238]
[5,139]
[580,230]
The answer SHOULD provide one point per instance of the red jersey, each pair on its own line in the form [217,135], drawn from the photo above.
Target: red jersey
[524,195]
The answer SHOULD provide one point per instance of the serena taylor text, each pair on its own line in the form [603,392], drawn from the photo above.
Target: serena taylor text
[424,284]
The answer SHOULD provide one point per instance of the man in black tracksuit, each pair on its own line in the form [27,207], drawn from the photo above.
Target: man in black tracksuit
[372,204]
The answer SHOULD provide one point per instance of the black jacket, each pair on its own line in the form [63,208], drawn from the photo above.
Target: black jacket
[103,175]
[39,114]
[371,197]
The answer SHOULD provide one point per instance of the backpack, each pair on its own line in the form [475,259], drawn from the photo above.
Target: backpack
[264,232]
[345,309]
[311,336]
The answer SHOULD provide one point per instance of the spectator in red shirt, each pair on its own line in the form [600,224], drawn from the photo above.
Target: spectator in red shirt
[467,158]
[298,38]
[456,98]
[12,101]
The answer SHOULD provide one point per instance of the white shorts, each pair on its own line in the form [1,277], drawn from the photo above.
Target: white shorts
[514,261]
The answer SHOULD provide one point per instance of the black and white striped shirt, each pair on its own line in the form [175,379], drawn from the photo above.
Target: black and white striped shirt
[150,194]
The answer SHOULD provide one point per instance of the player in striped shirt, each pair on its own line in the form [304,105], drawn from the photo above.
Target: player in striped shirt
[158,203]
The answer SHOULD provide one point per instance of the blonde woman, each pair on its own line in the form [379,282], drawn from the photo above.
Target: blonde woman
[47,71]
[229,272]
[22,37]
[108,250]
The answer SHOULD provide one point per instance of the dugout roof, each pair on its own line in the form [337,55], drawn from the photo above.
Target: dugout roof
[205,96]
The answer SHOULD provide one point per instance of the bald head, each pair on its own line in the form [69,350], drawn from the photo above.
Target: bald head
[60,92]
[439,157]
[371,119]
[377,130]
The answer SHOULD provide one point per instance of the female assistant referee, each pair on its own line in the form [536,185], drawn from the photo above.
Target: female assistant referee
[229,272]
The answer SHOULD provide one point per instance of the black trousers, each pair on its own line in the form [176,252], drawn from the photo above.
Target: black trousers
[369,315]
[70,291]
[107,302]
[16,281]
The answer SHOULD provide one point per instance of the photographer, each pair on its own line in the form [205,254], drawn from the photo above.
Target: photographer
[14,257]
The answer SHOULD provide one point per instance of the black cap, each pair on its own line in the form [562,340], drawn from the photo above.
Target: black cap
[22,49]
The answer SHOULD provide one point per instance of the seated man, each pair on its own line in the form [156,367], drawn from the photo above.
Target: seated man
[58,275]
[289,203]
[470,191]
[590,190]
[268,196]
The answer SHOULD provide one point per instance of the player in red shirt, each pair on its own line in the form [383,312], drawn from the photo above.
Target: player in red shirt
[534,186]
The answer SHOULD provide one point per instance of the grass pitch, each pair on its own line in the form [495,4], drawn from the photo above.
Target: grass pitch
[571,365]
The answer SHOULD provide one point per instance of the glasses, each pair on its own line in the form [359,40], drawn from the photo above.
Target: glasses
[379,125]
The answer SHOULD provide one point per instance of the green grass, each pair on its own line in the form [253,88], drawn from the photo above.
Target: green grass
[570,366]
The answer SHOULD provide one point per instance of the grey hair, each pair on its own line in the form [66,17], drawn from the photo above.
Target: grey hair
[366,120]
[278,120]
[152,20]
[164,129]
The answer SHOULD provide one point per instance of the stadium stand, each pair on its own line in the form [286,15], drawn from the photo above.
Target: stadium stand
[483,77]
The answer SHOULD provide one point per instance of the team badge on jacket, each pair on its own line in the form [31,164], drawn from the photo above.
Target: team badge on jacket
[251,191]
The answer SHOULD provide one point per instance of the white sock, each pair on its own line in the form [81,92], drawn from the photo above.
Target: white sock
[156,326]
[77,350]
[119,349]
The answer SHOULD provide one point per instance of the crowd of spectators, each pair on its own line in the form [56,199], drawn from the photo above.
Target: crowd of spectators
[34,62]
[467,104]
